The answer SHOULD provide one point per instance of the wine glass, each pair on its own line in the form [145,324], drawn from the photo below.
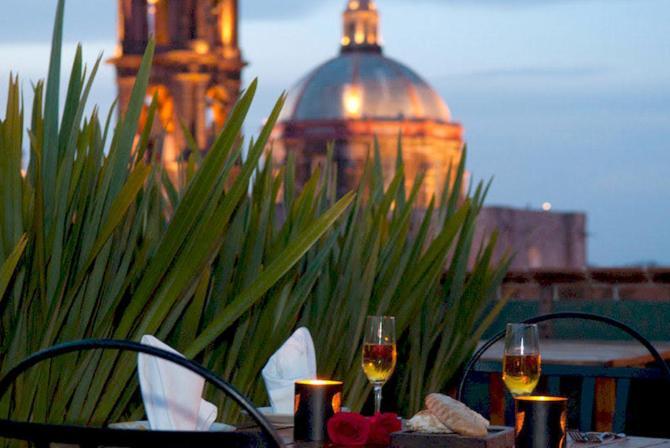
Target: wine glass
[379,353]
[521,360]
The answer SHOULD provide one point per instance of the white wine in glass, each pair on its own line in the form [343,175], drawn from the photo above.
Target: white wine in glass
[521,360]
[379,353]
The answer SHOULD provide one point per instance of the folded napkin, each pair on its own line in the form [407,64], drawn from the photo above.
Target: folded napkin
[172,395]
[295,360]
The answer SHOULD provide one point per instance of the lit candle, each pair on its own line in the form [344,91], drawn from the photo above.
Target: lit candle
[315,402]
[540,421]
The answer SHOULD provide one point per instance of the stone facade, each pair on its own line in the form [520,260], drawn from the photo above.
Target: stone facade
[539,239]
[430,148]
[196,71]
[351,100]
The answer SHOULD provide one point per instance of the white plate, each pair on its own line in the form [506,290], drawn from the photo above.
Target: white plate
[283,419]
[276,419]
[144,425]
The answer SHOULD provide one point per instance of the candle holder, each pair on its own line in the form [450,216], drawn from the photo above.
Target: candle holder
[540,421]
[315,402]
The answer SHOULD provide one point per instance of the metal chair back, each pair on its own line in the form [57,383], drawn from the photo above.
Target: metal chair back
[622,375]
[43,434]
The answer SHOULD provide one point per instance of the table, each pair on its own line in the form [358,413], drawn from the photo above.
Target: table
[588,353]
[585,354]
[630,442]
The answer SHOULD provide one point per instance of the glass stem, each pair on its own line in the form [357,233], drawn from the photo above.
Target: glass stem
[378,398]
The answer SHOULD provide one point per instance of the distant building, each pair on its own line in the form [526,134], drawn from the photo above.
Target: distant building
[195,73]
[538,238]
[362,94]
[349,100]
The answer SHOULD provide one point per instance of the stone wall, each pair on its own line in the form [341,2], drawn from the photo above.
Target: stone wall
[602,284]
[636,296]
[539,239]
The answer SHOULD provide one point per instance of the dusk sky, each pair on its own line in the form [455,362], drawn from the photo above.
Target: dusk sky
[566,101]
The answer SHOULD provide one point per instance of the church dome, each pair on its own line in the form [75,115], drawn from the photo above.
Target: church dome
[361,100]
[363,85]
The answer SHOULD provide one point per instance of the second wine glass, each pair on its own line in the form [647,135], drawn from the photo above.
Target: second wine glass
[521,360]
[379,353]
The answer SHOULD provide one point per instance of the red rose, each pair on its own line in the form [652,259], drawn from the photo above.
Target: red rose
[348,428]
[381,427]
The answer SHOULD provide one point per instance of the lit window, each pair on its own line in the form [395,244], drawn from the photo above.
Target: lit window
[345,40]
[353,4]
[534,257]
[359,37]
[200,46]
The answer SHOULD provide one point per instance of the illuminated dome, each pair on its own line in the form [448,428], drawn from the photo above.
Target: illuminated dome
[362,100]
[364,85]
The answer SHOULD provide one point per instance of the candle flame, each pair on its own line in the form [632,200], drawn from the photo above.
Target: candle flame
[540,398]
[319,382]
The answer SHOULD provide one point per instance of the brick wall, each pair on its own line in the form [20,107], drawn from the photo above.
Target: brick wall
[608,284]
[638,297]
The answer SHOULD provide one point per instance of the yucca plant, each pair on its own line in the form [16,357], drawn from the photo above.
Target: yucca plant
[386,256]
[393,258]
[96,242]
[88,250]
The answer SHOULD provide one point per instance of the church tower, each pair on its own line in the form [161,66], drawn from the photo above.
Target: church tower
[195,73]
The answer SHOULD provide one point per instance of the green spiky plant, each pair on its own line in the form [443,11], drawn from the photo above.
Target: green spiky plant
[382,257]
[96,242]
[87,250]
[424,273]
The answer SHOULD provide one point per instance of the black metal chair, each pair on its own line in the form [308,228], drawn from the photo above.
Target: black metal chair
[42,434]
[553,373]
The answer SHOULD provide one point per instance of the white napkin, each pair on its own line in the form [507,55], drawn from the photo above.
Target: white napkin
[172,395]
[295,360]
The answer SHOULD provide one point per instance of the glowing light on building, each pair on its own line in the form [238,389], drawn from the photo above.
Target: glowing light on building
[226,23]
[200,46]
[546,206]
[352,100]
[360,34]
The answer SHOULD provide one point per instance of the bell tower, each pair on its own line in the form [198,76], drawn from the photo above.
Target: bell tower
[195,73]
[361,27]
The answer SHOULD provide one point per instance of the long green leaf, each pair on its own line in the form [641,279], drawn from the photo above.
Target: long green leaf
[278,268]
[8,268]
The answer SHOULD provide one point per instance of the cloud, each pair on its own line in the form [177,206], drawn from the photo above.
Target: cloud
[32,20]
[279,9]
[533,72]
[290,9]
